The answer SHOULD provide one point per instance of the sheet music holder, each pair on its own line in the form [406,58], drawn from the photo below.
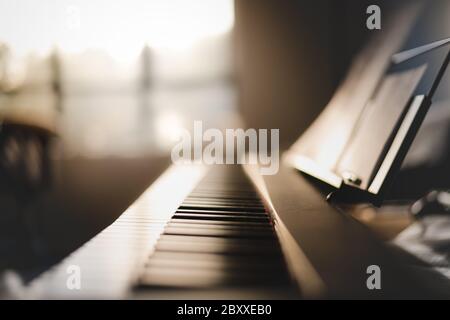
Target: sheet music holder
[359,141]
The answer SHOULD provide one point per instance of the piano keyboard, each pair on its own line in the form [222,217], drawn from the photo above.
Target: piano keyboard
[220,236]
[220,239]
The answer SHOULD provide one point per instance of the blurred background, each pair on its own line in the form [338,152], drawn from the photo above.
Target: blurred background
[118,80]
[123,77]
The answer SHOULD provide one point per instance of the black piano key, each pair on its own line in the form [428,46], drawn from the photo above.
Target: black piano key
[217,217]
[259,224]
[222,207]
[267,243]
[219,226]
[223,204]
[226,265]
[198,278]
[224,199]
[226,195]
[193,258]
[217,232]
[209,246]
[222,212]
